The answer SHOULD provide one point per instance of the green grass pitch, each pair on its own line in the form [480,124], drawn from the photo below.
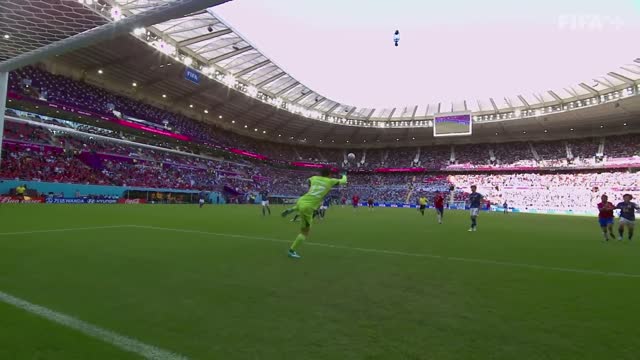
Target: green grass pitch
[215,283]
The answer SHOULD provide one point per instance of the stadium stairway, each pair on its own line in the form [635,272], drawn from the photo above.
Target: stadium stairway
[410,192]
[567,148]
[534,152]
[416,159]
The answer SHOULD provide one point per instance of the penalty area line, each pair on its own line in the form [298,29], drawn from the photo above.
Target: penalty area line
[122,342]
[401,253]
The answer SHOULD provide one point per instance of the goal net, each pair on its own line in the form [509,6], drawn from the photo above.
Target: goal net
[27,25]
[33,30]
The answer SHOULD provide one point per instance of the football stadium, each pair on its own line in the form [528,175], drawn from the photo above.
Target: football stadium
[279,179]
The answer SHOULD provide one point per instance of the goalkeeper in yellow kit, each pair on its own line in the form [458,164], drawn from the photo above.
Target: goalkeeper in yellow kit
[319,187]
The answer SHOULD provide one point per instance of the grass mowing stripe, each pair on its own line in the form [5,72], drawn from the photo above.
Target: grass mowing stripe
[120,341]
[401,253]
[62,230]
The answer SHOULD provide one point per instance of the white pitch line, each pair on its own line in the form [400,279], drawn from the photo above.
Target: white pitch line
[62,230]
[401,253]
[119,341]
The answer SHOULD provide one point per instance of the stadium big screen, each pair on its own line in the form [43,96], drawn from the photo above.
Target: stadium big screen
[455,124]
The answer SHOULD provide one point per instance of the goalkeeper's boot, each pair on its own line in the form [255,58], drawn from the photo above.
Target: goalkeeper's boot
[293,254]
[287,212]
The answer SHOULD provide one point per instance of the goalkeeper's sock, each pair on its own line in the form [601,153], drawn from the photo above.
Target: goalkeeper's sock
[299,239]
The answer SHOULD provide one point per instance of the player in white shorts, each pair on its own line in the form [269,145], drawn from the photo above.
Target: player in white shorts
[627,216]
[323,208]
[202,195]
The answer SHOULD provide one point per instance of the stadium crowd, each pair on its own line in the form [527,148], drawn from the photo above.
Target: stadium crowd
[39,84]
[39,153]
[36,153]
[61,157]
[473,154]
[576,191]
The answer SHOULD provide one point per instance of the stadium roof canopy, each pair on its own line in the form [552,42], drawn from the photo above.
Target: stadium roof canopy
[207,43]
[117,64]
[215,45]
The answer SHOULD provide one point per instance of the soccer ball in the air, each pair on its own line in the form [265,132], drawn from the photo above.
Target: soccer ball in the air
[351,156]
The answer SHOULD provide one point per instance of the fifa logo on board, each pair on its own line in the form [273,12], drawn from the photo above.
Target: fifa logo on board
[590,22]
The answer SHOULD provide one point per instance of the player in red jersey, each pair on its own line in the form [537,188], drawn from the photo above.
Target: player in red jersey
[343,200]
[438,203]
[370,203]
[354,201]
[605,217]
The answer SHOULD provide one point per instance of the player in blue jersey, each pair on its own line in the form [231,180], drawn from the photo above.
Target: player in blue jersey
[627,216]
[323,208]
[475,201]
[202,196]
[264,194]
